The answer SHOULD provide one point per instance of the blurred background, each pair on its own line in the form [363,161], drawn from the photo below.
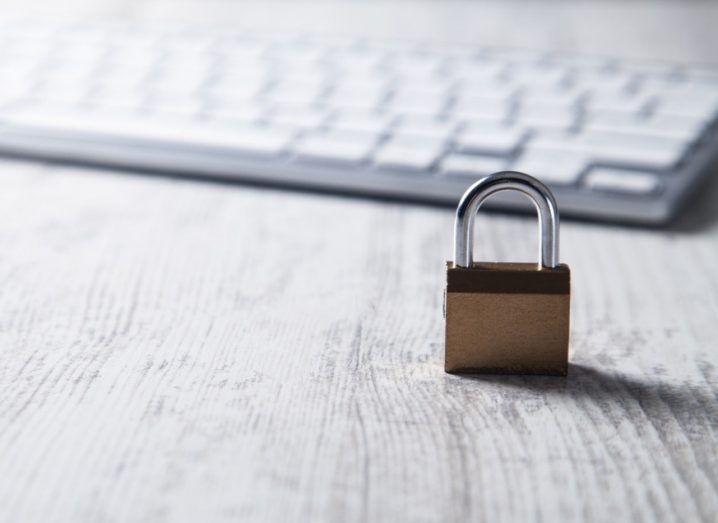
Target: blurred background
[651,29]
[612,104]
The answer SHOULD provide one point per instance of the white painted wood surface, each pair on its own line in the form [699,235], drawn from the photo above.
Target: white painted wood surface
[178,351]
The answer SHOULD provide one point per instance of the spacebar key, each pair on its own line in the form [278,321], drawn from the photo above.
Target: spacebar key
[151,131]
[653,153]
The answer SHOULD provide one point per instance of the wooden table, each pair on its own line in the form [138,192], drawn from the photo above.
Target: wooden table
[179,351]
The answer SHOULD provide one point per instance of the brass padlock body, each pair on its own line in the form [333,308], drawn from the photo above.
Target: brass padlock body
[507,318]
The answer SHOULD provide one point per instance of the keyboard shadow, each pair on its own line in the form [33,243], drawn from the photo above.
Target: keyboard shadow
[585,383]
[701,211]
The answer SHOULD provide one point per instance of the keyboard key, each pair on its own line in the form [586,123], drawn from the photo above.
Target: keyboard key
[471,165]
[130,99]
[544,76]
[80,71]
[361,121]
[103,127]
[492,140]
[667,126]
[123,77]
[14,91]
[700,74]
[416,141]
[426,128]
[551,166]
[190,106]
[656,69]
[356,97]
[477,73]
[591,81]
[681,89]
[480,107]
[418,113]
[296,116]
[610,148]
[684,128]
[305,97]
[247,113]
[545,117]
[599,102]
[185,80]
[622,181]
[690,105]
[403,156]
[479,122]
[223,97]
[412,67]
[433,106]
[62,91]
[336,148]
[429,91]
[543,100]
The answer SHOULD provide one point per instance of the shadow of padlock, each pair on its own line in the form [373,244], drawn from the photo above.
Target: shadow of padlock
[507,318]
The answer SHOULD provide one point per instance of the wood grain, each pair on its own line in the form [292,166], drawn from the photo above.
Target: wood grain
[174,351]
[178,351]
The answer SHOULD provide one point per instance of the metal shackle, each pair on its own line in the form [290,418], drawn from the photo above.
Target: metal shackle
[506,181]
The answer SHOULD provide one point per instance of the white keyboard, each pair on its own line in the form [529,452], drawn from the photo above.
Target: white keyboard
[616,140]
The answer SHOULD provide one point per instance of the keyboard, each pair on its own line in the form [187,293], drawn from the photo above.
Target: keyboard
[616,140]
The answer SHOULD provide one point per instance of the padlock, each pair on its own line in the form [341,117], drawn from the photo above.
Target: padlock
[507,318]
